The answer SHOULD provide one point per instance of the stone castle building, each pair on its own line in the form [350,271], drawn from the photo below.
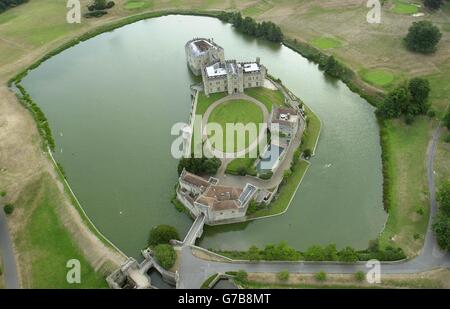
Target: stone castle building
[217,203]
[206,58]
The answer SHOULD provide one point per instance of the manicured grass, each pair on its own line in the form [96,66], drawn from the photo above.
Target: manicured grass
[235,112]
[266,96]
[204,102]
[136,4]
[286,192]
[440,91]
[377,77]
[46,245]
[310,136]
[408,190]
[401,7]
[326,42]
[240,163]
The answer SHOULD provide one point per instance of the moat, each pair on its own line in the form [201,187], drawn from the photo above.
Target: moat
[112,100]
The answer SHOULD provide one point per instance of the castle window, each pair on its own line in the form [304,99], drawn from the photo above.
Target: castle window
[249,84]
[257,83]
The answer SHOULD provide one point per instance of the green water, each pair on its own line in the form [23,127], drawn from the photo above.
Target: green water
[112,100]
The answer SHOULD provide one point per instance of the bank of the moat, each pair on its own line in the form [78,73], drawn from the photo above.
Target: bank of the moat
[111,112]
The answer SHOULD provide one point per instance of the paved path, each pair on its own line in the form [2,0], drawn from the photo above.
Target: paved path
[194,271]
[7,253]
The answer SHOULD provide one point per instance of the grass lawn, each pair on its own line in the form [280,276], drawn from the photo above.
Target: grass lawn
[409,210]
[234,112]
[401,7]
[204,102]
[136,4]
[241,163]
[285,193]
[326,43]
[377,77]
[310,136]
[266,96]
[440,91]
[45,244]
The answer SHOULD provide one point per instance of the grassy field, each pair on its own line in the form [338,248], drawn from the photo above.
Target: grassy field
[266,96]
[431,279]
[236,112]
[204,102]
[408,215]
[326,43]
[442,162]
[135,4]
[402,7]
[378,77]
[44,242]
[240,163]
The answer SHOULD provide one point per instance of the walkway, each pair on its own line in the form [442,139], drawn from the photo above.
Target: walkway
[7,253]
[195,231]
[194,271]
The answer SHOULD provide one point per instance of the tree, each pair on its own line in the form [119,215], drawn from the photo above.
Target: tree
[330,253]
[348,254]
[423,37]
[446,119]
[433,4]
[253,253]
[199,165]
[9,209]
[165,255]
[314,253]
[283,275]
[162,234]
[443,197]
[441,228]
[419,90]
[394,104]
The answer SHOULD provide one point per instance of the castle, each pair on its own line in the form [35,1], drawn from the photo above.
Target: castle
[207,59]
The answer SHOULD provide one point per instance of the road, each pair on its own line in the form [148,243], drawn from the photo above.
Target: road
[194,271]
[7,252]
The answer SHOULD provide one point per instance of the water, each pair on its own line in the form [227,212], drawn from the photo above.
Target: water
[112,100]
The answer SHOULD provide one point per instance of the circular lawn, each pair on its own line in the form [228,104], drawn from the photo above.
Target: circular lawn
[235,112]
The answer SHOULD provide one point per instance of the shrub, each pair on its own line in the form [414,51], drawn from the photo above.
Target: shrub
[431,113]
[307,153]
[283,275]
[409,119]
[360,275]
[447,139]
[423,37]
[320,276]
[2,193]
[266,176]
[433,4]
[9,209]
[446,119]
[95,14]
[241,275]
[165,255]
[162,234]
[348,254]
[110,4]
